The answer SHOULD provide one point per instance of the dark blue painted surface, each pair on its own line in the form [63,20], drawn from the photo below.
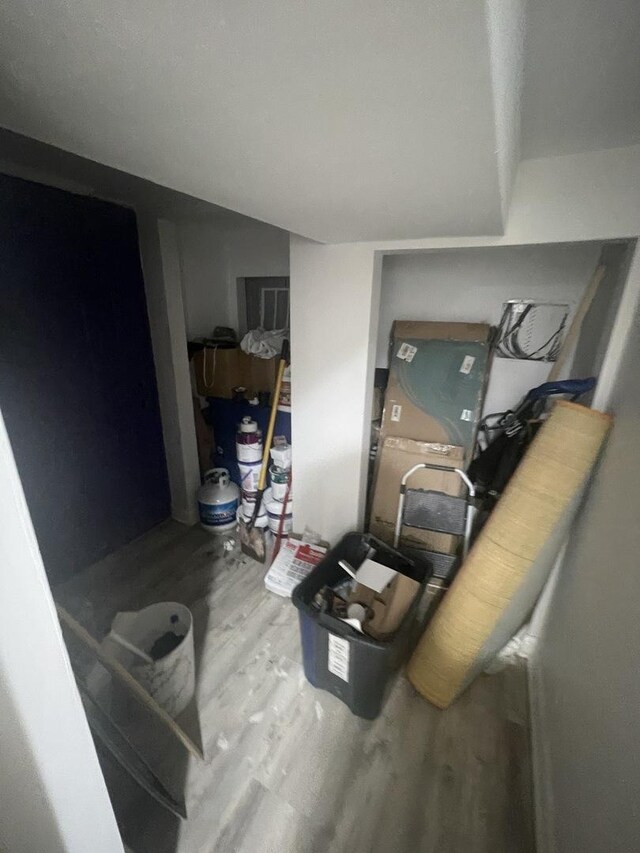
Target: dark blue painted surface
[77,381]
[225,416]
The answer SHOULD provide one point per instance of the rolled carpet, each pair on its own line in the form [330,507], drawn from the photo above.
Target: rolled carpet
[499,582]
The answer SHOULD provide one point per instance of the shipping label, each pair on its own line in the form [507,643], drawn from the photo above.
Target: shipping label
[338,659]
[406,352]
[467,364]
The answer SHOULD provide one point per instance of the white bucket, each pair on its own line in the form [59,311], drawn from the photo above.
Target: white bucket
[275,509]
[170,679]
[249,476]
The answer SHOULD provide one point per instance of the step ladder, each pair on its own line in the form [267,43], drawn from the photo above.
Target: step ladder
[440,513]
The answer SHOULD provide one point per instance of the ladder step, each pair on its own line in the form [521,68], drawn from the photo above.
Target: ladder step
[428,510]
[442,565]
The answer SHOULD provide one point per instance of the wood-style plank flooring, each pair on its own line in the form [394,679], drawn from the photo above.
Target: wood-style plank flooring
[289,769]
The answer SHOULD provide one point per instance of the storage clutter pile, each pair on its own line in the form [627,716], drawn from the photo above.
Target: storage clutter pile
[431,494]
[262,514]
[276,509]
[438,374]
[222,504]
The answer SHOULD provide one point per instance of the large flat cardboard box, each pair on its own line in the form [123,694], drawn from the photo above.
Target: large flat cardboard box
[438,374]
[219,371]
[397,456]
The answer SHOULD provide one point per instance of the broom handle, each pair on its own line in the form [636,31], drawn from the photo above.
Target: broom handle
[262,482]
[117,669]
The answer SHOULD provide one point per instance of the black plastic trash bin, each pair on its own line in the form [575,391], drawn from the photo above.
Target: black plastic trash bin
[354,667]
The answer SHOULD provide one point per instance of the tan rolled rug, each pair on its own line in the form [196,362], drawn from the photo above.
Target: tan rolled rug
[499,582]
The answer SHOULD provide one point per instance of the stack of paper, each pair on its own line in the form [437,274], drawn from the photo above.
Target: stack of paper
[294,562]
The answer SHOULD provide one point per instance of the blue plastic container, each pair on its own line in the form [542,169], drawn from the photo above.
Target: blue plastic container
[352,666]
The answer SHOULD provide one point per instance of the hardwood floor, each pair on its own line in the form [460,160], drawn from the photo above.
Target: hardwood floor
[288,768]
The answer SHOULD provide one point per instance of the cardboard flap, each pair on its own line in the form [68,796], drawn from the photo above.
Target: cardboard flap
[389,607]
[419,330]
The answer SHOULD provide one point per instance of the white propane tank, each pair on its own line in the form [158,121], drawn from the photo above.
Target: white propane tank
[218,500]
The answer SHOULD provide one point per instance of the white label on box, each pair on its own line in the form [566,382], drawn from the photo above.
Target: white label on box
[338,662]
[396,411]
[467,363]
[467,415]
[406,352]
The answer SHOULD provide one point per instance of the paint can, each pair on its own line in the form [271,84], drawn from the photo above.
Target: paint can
[279,478]
[218,500]
[245,513]
[275,510]
[248,441]
[249,477]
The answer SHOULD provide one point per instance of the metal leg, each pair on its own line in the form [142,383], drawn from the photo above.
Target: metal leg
[396,533]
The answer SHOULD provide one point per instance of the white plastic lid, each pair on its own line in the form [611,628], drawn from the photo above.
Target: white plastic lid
[247,424]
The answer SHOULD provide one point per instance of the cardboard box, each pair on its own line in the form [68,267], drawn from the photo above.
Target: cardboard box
[437,380]
[396,457]
[218,371]
[389,606]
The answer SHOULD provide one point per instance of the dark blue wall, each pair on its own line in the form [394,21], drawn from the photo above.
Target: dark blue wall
[77,381]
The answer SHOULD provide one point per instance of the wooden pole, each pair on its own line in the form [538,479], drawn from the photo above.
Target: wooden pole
[576,323]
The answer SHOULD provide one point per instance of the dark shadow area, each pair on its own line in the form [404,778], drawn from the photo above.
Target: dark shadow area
[77,376]
[171,563]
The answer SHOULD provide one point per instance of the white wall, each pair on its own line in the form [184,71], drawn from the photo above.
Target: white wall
[471,285]
[584,672]
[334,314]
[599,323]
[53,797]
[213,255]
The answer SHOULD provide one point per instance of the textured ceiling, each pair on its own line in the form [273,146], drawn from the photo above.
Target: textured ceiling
[582,76]
[339,120]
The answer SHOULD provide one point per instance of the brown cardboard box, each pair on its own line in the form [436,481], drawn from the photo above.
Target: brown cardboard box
[389,606]
[437,380]
[396,456]
[219,371]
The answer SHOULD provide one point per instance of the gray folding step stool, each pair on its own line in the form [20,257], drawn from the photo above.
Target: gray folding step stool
[436,511]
